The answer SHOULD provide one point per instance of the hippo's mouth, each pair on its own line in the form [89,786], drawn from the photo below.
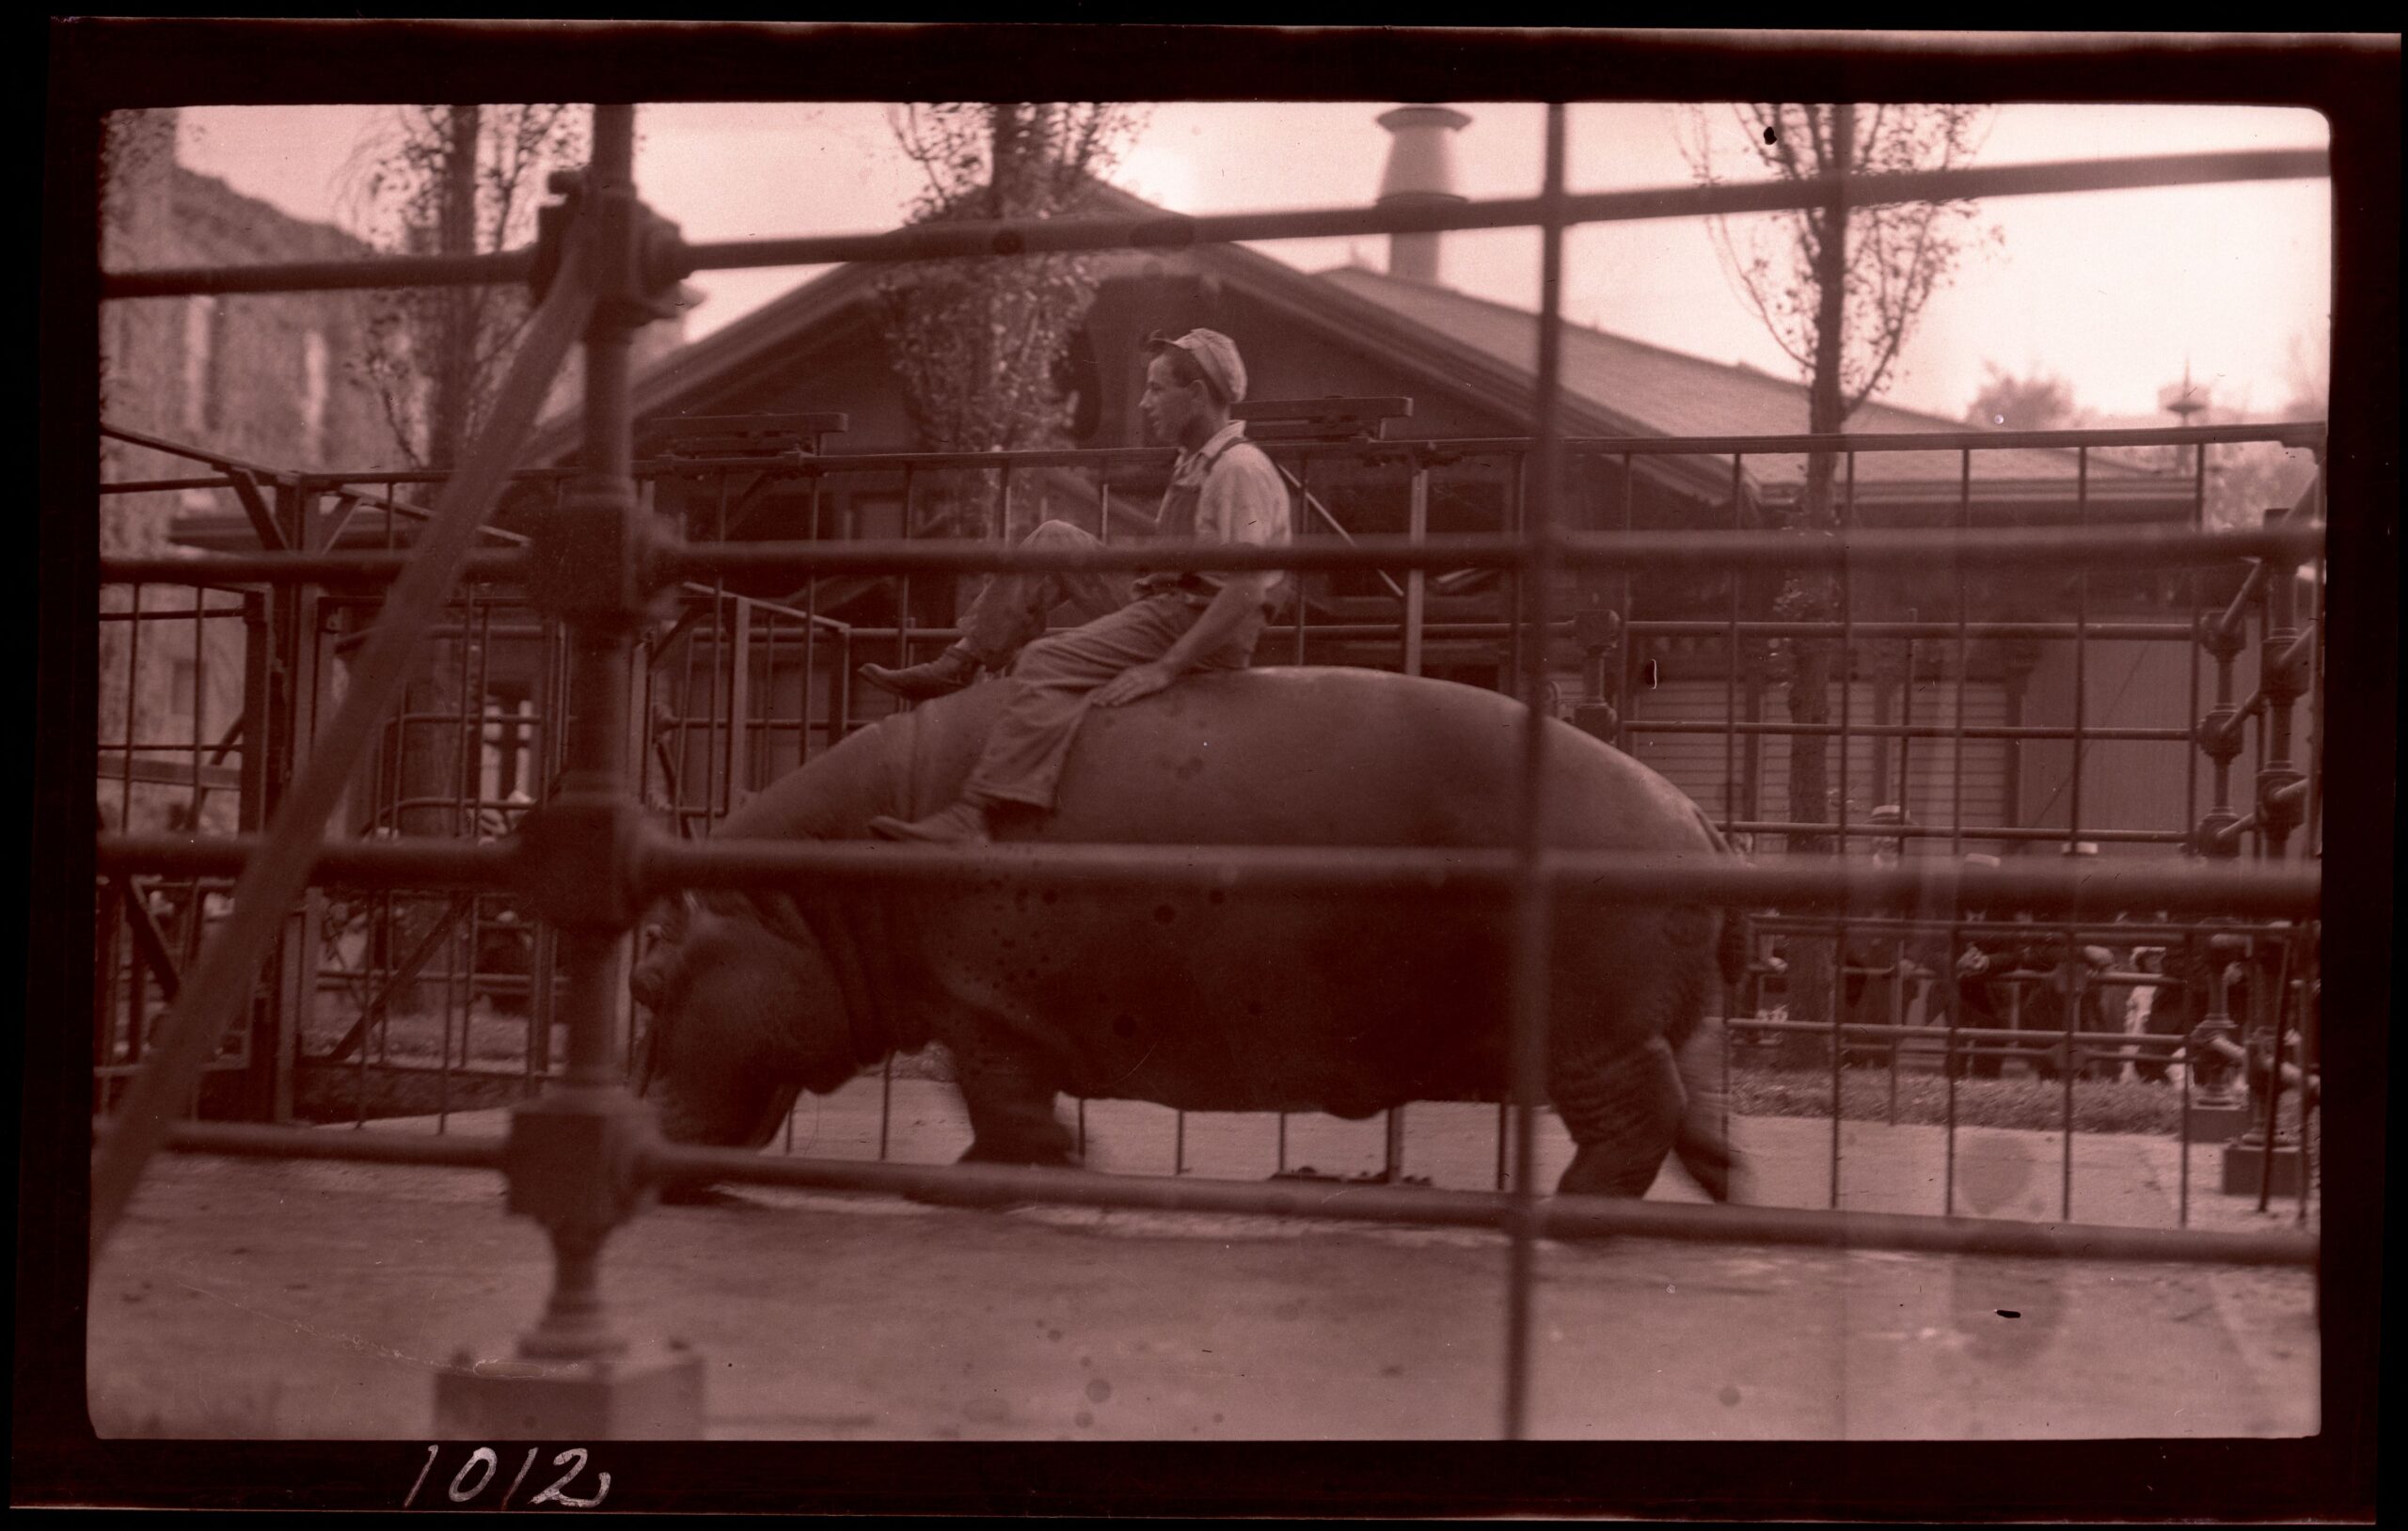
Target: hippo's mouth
[774,1112]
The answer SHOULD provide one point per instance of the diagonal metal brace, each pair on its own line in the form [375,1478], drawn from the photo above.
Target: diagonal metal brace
[402,975]
[247,489]
[147,939]
[1313,502]
[229,966]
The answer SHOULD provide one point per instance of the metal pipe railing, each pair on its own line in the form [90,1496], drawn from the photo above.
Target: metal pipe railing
[672,260]
[2304,434]
[1561,1217]
[1921,551]
[664,865]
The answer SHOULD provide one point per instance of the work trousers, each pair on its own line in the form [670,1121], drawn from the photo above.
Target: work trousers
[1053,676]
[1012,609]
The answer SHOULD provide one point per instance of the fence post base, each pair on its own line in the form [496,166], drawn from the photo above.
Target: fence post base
[653,1391]
[2244,1166]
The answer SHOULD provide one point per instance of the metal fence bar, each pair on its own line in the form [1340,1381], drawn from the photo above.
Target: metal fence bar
[1918,731]
[2299,435]
[2019,547]
[1532,905]
[1558,1217]
[1168,231]
[1580,876]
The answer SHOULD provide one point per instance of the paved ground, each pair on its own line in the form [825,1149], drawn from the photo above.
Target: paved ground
[314,1300]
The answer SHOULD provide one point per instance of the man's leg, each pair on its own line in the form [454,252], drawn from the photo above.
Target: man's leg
[1011,609]
[1025,748]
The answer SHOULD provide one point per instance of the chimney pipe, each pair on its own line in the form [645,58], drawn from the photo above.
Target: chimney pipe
[1421,171]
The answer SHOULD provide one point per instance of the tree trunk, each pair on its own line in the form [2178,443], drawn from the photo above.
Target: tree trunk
[455,364]
[1812,595]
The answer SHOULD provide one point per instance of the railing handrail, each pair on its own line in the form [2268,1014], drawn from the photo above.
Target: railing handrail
[1929,548]
[2300,434]
[1164,230]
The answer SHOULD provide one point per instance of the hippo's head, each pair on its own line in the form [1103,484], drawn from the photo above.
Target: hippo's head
[742,1022]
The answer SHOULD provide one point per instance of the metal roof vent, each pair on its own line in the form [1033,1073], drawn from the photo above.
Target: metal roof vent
[1420,170]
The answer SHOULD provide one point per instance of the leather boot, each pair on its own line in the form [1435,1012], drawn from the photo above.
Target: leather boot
[963,824]
[944,675]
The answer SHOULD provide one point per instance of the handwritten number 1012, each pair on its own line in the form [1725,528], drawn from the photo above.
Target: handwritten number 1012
[477,1473]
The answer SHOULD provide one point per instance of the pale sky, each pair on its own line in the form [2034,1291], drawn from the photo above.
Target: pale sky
[2115,291]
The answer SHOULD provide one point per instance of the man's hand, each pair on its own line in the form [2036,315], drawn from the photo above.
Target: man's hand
[1140,681]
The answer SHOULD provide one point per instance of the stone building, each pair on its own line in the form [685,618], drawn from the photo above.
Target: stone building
[261,379]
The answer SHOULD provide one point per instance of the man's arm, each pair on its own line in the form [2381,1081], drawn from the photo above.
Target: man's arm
[1235,602]
[1245,504]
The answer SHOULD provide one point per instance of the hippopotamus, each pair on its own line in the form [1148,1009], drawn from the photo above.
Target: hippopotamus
[1206,999]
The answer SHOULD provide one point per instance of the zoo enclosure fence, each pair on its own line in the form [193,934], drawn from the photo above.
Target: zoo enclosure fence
[595,582]
[737,689]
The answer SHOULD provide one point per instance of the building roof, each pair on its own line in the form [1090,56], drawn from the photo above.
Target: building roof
[1664,392]
[1450,342]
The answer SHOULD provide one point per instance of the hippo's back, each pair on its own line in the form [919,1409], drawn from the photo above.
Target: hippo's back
[1316,755]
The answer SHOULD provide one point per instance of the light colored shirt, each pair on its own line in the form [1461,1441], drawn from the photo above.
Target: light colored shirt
[1240,498]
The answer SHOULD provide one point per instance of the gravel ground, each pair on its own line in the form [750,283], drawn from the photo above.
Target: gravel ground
[318,1300]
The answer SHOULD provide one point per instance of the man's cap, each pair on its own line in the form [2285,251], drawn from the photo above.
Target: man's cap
[1214,352]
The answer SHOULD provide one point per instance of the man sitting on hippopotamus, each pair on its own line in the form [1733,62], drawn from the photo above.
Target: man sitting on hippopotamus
[1223,489]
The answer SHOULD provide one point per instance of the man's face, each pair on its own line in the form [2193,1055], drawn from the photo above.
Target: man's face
[1167,405]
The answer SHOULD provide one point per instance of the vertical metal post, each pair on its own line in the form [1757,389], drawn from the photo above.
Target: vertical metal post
[1839,941]
[1964,689]
[2313,826]
[1730,652]
[573,1153]
[2077,989]
[903,585]
[1303,496]
[739,703]
[276,725]
[1533,906]
[1416,527]
[810,654]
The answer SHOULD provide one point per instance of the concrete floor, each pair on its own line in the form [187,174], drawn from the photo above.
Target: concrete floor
[316,1301]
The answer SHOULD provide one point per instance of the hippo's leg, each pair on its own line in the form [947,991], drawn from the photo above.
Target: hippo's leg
[1624,1111]
[1702,1144]
[1012,1120]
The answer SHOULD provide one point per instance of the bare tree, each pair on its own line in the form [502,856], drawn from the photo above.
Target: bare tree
[979,345]
[452,179]
[1839,288]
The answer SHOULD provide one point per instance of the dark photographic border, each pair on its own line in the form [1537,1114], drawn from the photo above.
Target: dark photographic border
[94,66]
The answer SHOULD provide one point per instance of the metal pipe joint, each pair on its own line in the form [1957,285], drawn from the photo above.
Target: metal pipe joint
[579,857]
[643,254]
[596,560]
